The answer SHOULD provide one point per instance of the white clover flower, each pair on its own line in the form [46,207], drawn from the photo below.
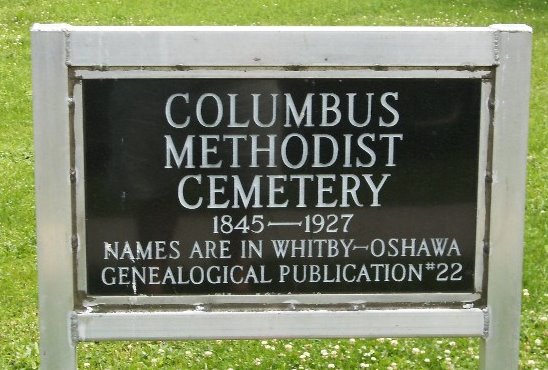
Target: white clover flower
[257,361]
[324,352]
[452,343]
[427,360]
[330,366]
[364,365]
[264,342]
[415,351]
[393,342]
[526,292]
[373,358]
[531,362]
[288,347]
[352,340]
[538,342]
[208,354]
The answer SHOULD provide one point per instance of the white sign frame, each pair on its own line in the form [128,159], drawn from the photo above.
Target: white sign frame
[64,54]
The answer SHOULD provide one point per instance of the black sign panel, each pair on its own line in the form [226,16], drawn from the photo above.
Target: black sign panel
[246,186]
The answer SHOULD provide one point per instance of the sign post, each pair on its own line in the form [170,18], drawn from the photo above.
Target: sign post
[233,182]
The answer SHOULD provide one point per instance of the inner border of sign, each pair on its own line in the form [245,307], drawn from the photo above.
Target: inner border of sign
[441,298]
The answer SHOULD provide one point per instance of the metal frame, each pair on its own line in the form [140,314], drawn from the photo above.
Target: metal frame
[54,203]
[280,324]
[500,349]
[64,54]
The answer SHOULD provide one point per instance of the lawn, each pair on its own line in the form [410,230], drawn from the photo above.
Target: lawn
[18,281]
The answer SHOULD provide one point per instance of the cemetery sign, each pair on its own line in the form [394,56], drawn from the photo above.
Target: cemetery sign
[228,182]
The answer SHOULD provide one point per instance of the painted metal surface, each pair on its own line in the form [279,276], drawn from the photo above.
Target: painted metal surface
[280,46]
[392,73]
[500,349]
[281,324]
[54,201]
[417,235]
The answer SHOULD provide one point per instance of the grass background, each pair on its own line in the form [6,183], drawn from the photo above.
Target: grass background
[18,285]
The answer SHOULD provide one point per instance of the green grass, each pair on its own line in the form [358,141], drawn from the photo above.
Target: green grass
[18,285]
